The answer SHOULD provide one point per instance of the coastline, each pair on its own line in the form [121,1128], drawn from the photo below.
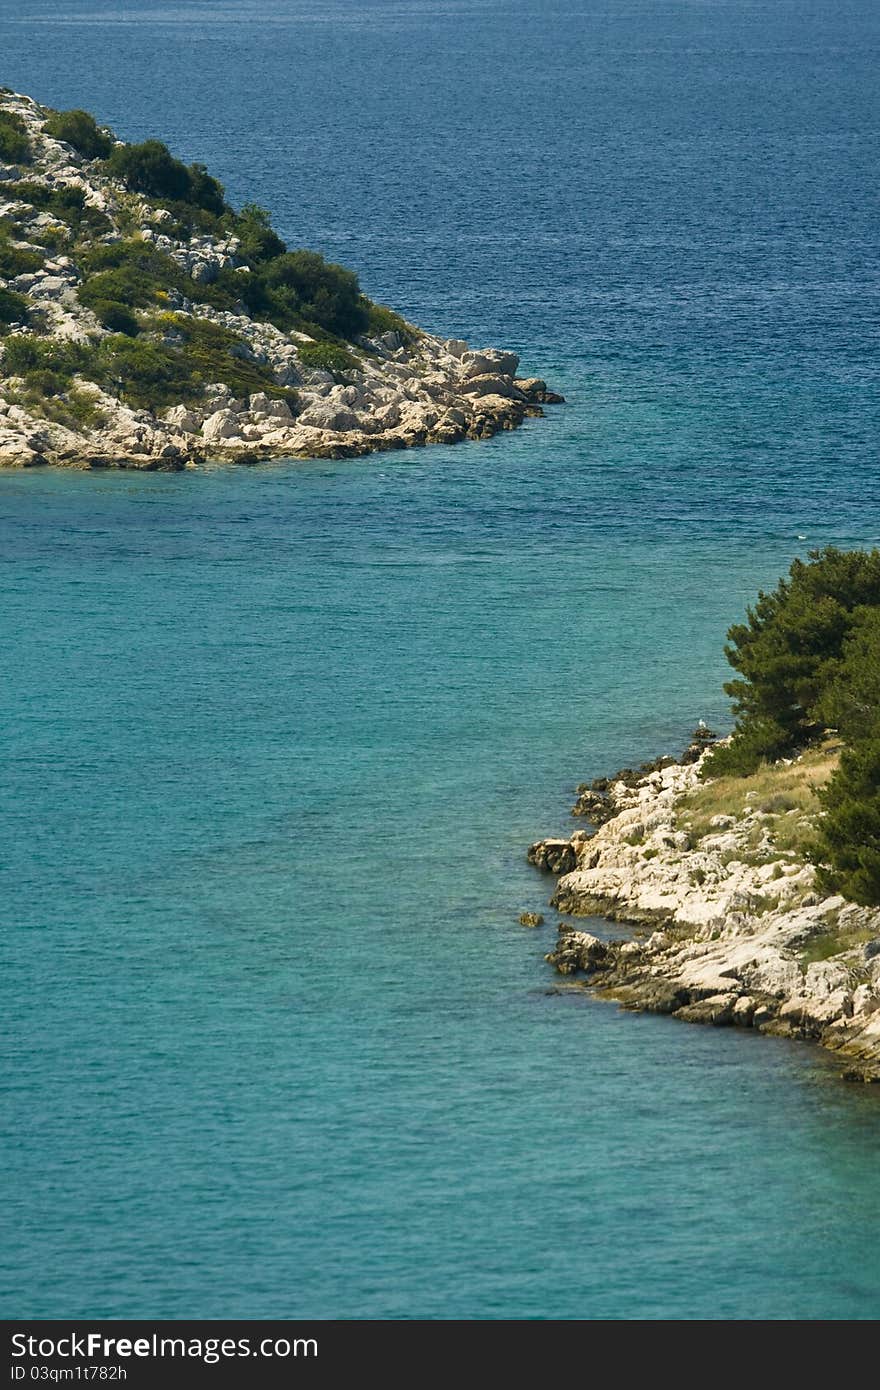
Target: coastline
[729,929]
[433,392]
[263,388]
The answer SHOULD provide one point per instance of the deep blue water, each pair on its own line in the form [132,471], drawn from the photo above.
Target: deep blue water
[275,740]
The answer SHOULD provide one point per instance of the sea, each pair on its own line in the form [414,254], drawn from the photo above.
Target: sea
[276,738]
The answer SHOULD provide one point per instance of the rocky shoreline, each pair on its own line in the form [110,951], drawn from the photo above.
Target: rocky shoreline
[398,389]
[730,928]
[429,402]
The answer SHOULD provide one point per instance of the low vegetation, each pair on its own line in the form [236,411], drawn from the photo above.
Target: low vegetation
[171,362]
[128,283]
[785,795]
[66,203]
[13,310]
[15,147]
[330,357]
[80,130]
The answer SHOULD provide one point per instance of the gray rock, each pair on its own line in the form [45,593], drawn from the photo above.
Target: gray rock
[553,856]
[267,407]
[223,424]
[327,415]
[491,386]
[183,419]
[491,361]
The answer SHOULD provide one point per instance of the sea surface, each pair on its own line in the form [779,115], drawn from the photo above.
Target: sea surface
[275,740]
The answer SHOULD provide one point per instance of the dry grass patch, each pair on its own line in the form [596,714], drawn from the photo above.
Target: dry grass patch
[783,793]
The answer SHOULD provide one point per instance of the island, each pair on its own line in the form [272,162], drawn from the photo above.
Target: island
[145,323]
[749,868]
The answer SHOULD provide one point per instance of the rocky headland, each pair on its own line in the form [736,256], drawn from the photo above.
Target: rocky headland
[730,924]
[162,330]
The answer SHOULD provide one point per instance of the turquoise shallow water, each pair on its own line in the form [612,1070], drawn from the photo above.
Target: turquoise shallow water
[276,739]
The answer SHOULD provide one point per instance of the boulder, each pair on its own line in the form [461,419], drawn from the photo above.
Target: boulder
[553,856]
[491,386]
[49,287]
[328,415]
[268,408]
[223,424]
[489,362]
[387,416]
[534,388]
[183,419]
[577,950]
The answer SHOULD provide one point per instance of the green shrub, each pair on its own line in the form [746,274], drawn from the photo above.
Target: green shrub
[383,320]
[52,239]
[79,129]
[20,354]
[151,168]
[24,353]
[755,742]
[67,203]
[151,375]
[57,399]
[13,309]
[328,356]
[110,255]
[125,285]
[84,410]
[43,381]
[14,261]
[258,240]
[15,146]
[136,274]
[143,374]
[303,287]
[213,353]
[115,316]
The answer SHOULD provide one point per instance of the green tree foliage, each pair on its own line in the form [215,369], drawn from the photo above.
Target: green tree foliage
[850,702]
[808,659]
[850,828]
[15,146]
[149,168]
[787,653]
[79,129]
[205,191]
